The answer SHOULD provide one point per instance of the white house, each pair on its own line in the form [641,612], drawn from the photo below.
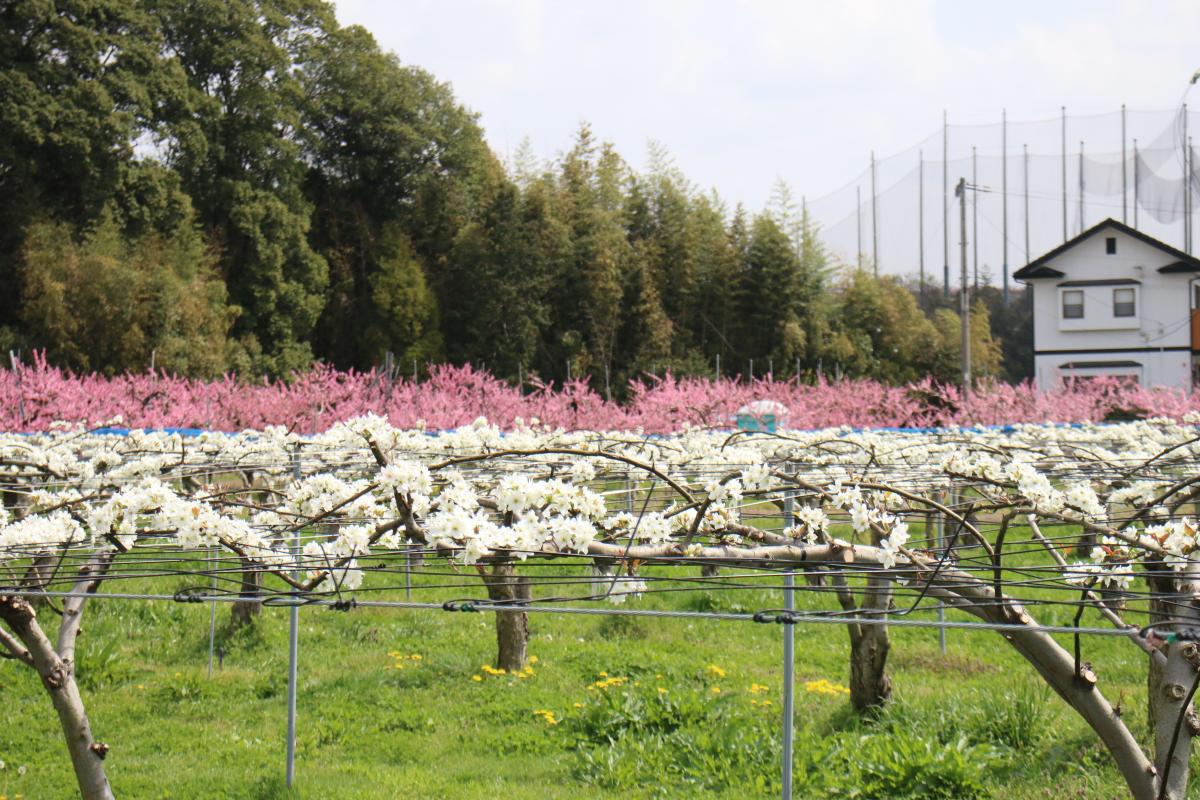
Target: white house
[1114,301]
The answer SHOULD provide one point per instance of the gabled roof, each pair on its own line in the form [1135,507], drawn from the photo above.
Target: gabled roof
[1038,268]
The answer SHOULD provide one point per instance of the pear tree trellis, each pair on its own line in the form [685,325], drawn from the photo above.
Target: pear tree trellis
[1087,518]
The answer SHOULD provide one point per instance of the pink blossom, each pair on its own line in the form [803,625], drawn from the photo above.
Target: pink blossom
[33,396]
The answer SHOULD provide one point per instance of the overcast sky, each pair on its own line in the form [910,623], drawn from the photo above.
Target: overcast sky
[741,93]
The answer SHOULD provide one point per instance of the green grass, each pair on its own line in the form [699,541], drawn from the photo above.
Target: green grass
[428,730]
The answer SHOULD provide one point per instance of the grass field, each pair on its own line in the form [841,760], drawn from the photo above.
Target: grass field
[398,703]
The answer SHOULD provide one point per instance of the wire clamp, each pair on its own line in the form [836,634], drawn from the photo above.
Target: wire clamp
[192,594]
[459,605]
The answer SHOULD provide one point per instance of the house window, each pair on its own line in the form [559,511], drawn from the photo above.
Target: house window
[1110,245]
[1123,303]
[1072,304]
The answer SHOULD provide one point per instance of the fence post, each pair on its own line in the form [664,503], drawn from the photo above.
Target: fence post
[789,643]
[293,649]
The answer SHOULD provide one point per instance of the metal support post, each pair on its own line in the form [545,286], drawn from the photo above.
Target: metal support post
[964,297]
[293,650]
[212,616]
[789,645]
[941,538]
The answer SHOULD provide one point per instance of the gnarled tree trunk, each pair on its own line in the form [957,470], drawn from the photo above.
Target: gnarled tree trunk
[55,665]
[244,611]
[512,627]
[1168,686]
[870,686]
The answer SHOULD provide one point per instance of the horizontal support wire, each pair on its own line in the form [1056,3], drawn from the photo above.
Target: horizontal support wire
[477,606]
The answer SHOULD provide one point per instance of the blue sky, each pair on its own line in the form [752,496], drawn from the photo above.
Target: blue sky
[741,93]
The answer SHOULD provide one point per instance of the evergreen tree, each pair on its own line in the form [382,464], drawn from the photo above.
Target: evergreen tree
[386,146]
[238,153]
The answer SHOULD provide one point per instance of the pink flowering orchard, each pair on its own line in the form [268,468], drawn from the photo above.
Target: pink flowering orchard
[33,396]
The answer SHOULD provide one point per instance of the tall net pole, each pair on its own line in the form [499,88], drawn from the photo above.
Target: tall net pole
[1082,221]
[974,221]
[945,204]
[1025,186]
[1191,166]
[874,219]
[921,224]
[858,220]
[1135,184]
[1003,200]
[1124,173]
[1064,171]
[1187,188]
[1187,193]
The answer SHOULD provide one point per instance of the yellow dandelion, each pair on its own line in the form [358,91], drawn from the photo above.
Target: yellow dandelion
[476,677]
[715,690]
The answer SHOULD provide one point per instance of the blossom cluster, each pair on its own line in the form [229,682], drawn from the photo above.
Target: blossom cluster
[314,508]
[34,396]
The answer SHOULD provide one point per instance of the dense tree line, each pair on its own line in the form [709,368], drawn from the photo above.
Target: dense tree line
[246,185]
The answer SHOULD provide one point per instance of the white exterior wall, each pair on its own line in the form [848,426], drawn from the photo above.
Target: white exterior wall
[1158,337]
[1170,368]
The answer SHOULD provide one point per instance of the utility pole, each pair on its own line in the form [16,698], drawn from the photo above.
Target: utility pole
[964,300]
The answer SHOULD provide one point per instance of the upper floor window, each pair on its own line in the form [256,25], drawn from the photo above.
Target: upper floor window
[1124,303]
[1072,304]
[1110,247]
